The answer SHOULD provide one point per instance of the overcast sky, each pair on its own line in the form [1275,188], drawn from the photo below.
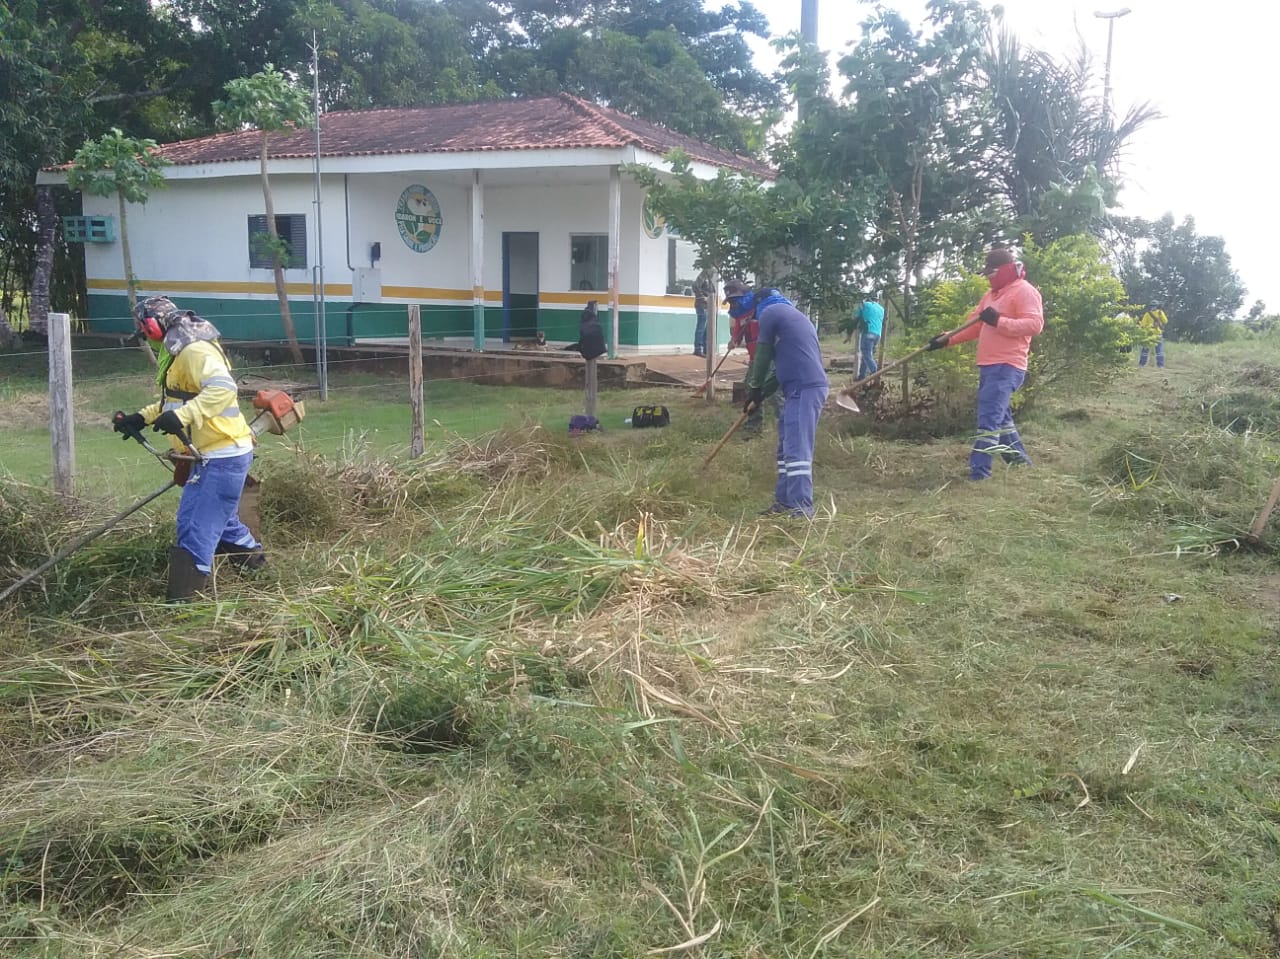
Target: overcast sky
[1209,67]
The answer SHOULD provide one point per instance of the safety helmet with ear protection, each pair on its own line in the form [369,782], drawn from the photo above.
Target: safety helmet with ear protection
[154,315]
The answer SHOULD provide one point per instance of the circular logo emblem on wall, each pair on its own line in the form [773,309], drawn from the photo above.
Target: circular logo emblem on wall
[418,217]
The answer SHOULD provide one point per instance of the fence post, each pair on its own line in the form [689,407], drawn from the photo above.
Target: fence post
[61,411]
[591,387]
[415,378]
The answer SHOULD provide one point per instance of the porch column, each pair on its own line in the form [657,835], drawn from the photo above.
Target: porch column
[477,260]
[615,237]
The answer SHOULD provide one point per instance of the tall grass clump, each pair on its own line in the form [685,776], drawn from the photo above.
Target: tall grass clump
[1206,482]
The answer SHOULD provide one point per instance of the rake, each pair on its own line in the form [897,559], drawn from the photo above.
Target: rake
[703,388]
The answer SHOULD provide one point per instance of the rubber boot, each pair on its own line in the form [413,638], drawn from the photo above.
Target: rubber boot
[243,558]
[184,579]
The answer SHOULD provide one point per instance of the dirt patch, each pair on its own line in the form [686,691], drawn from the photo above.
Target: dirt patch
[30,411]
[1267,594]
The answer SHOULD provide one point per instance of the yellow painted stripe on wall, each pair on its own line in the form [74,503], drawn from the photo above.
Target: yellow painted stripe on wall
[562,299]
[209,286]
[426,293]
[625,299]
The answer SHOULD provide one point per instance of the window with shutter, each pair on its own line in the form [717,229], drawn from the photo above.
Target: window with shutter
[292,228]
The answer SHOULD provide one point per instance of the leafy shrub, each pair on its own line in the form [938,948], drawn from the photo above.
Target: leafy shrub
[1086,340]
[1087,334]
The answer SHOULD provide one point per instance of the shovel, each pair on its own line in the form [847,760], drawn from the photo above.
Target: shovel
[845,400]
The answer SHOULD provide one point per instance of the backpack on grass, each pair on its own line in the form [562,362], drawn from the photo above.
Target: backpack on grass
[644,416]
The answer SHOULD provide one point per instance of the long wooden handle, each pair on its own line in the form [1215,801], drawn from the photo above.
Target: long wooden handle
[848,390]
[1255,531]
[703,388]
[742,418]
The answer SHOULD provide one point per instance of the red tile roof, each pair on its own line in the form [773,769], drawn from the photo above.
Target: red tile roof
[545,123]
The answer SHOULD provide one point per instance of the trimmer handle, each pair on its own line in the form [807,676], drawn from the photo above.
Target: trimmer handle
[118,420]
[186,441]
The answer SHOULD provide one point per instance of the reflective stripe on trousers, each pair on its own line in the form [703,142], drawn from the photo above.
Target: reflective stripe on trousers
[208,512]
[997,382]
[797,429]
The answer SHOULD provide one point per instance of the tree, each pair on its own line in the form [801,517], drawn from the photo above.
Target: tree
[1057,148]
[268,101]
[1187,275]
[669,61]
[914,125]
[712,214]
[1088,328]
[127,168]
[130,169]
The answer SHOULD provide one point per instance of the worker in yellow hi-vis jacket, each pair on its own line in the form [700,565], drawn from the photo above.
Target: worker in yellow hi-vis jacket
[1155,321]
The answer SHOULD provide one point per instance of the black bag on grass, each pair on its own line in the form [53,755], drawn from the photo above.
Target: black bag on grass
[643,416]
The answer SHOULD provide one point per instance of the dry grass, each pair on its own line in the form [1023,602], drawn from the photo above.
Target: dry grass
[534,696]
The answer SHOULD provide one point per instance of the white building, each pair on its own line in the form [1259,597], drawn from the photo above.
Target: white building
[499,219]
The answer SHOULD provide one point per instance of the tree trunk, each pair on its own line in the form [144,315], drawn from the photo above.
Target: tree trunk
[47,224]
[282,295]
[131,281]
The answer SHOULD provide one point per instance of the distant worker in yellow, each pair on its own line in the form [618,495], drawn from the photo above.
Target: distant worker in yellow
[1155,321]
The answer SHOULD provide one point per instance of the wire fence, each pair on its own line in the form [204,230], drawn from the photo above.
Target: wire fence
[365,397]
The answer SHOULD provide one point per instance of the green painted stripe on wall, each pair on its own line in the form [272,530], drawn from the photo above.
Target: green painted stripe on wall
[241,319]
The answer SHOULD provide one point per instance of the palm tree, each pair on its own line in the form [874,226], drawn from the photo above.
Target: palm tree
[1057,143]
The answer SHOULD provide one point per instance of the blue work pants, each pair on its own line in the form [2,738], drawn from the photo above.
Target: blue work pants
[208,512]
[797,429]
[1142,356]
[867,347]
[997,383]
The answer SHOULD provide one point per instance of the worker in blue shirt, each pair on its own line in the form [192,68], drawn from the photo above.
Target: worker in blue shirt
[867,324]
[788,342]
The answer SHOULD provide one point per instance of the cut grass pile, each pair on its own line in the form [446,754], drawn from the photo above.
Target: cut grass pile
[536,695]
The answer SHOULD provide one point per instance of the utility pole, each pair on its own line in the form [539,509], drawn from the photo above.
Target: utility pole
[317,278]
[809,21]
[1111,19]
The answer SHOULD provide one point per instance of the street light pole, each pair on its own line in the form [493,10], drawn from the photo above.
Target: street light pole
[1111,19]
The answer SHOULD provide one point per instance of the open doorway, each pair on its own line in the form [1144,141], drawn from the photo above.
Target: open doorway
[519,286]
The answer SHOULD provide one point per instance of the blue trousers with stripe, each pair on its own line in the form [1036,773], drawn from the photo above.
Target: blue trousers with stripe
[208,512]
[997,382]
[797,427]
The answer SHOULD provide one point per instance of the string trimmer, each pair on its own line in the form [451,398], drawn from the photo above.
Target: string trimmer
[277,413]
[845,400]
[179,463]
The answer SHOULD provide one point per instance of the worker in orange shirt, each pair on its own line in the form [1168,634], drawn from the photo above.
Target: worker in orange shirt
[1011,314]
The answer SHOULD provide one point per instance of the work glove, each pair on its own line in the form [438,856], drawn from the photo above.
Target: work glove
[938,342]
[755,396]
[989,316]
[168,422]
[127,424]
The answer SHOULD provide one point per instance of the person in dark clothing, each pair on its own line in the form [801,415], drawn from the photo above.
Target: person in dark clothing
[704,289]
[590,334]
[787,342]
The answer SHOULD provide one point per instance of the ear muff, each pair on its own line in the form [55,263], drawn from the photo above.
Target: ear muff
[151,328]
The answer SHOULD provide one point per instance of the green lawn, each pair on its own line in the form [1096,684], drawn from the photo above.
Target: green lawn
[534,695]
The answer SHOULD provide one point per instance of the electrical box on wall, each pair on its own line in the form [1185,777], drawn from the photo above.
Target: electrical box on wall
[366,285]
